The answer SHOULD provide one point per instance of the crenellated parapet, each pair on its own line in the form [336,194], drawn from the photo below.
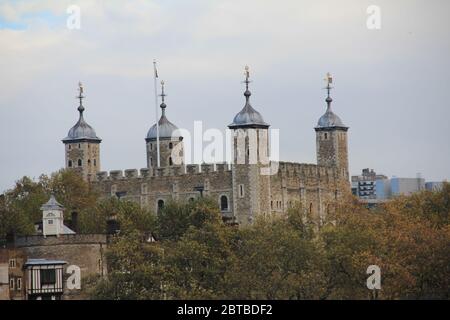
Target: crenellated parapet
[170,171]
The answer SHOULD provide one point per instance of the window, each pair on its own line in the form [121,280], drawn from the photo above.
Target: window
[170,145]
[271,204]
[48,276]
[224,203]
[95,162]
[170,161]
[326,136]
[19,283]
[70,146]
[89,162]
[70,164]
[151,146]
[12,263]
[79,146]
[160,204]
[50,221]
[11,283]
[150,161]
[80,162]
[241,190]
[310,208]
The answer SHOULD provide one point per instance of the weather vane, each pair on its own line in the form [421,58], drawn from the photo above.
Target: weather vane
[80,96]
[162,95]
[247,76]
[329,81]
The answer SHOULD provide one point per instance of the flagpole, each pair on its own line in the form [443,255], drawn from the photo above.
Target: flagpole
[156,114]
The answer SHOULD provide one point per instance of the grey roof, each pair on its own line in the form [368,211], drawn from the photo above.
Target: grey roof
[329,119]
[81,131]
[40,262]
[248,117]
[67,230]
[166,128]
[52,204]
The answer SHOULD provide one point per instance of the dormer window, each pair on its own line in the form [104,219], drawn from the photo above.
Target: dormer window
[50,221]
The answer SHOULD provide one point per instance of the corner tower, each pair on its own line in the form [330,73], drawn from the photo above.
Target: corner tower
[171,151]
[82,146]
[331,137]
[251,185]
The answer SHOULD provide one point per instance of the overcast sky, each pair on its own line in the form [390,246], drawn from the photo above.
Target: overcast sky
[391,85]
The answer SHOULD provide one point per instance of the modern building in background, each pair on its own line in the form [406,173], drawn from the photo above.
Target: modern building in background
[373,187]
[364,185]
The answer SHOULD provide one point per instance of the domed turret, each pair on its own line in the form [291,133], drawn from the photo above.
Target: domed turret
[82,145]
[170,141]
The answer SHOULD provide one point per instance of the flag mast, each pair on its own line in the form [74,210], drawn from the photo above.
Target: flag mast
[156,114]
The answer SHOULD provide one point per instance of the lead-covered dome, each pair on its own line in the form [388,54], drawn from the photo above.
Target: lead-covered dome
[167,130]
[81,131]
[248,117]
[329,119]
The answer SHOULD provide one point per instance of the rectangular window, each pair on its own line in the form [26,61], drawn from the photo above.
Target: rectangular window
[50,221]
[19,283]
[48,276]
[12,263]
[11,283]
[241,191]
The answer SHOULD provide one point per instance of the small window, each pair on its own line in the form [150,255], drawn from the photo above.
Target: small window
[79,146]
[19,283]
[70,164]
[50,221]
[151,146]
[80,162]
[11,284]
[326,136]
[224,203]
[12,263]
[310,208]
[160,204]
[95,162]
[241,191]
[170,161]
[89,162]
[271,204]
[48,276]
[170,145]
[70,146]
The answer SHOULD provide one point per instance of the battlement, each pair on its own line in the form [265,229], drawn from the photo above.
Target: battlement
[145,173]
[309,170]
[40,240]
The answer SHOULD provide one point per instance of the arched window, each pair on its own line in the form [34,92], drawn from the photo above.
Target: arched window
[70,164]
[223,203]
[170,161]
[80,162]
[160,204]
[170,145]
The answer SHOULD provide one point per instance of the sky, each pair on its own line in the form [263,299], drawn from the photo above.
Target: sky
[390,84]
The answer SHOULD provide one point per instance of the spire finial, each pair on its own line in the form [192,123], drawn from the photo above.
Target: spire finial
[80,97]
[162,95]
[247,92]
[329,80]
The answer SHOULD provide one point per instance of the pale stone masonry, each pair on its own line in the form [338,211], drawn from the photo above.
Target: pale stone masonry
[242,192]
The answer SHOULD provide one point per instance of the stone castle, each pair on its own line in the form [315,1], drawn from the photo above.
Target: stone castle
[244,188]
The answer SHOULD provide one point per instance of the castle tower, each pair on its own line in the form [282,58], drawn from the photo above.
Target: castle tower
[331,137]
[53,219]
[170,141]
[251,187]
[82,146]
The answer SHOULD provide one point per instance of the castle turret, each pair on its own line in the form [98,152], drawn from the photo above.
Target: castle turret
[53,219]
[82,145]
[251,188]
[170,141]
[331,137]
